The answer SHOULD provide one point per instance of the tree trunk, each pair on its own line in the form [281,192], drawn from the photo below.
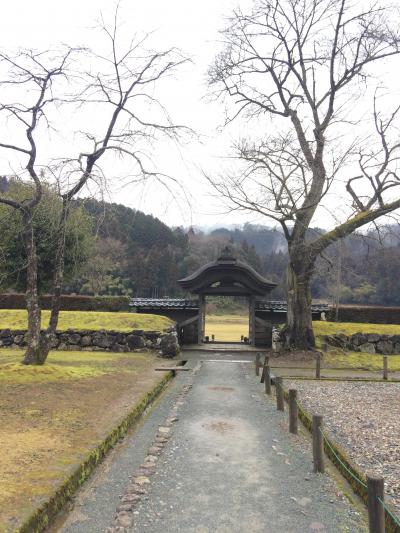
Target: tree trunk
[58,279]
[33,354]
[298,332]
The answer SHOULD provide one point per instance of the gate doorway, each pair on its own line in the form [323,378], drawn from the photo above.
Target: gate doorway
[228,277]
[227,319]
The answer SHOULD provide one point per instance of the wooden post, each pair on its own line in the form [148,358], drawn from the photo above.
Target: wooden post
[213,337]
[267,380]
[376,512]
[258,355]
[318,366]
[385,367]
[200,319]
[280,403]
[318,443]
[293,411]
[266,363]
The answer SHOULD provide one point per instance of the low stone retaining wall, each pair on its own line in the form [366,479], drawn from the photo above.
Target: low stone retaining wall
[99,341]
[366,342]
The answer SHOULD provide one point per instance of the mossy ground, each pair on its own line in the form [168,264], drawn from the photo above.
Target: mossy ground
[17,319]
[52,416]
[349,328]
[230,327]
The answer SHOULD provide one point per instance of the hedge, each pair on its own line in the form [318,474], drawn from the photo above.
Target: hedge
[367,314]
[70,302]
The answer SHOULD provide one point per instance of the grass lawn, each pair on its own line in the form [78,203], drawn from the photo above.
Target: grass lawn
[348,328]
[227,327]
[17,319]
[230,327]
[337,359]
[52,416]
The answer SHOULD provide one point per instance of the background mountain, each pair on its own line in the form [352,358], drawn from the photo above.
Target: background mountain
[136,254]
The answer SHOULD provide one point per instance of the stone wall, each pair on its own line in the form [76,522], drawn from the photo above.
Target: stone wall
[97,341]
[366,342]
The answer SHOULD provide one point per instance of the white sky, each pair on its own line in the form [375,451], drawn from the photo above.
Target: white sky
[189,25]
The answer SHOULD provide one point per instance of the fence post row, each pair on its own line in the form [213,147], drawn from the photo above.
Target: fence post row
[280,404]
[293,412]
[318,443]
[375,485]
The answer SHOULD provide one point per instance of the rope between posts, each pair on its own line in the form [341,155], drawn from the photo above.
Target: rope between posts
[341,462]
[356,478]
[392,516]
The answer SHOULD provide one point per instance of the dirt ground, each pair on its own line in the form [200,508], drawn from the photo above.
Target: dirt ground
[52,416]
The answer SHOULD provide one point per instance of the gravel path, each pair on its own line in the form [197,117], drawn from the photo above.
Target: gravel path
[95,504]
[229,465]
[364,418]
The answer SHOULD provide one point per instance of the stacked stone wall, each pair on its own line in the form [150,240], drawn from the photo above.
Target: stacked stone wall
[366,342]
[91,340]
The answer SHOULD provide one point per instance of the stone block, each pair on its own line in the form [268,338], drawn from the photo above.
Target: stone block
[169,345]
[384,347]
[86,340]
[358,338]
[119,348]
[373,337]
[120,338]
[135,341]
[18,339]
[74,338]
[103,340]
[74,348]
[367,347]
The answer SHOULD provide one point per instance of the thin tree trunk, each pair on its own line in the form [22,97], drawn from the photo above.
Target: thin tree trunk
[58,279]
[33,354]
[298,332]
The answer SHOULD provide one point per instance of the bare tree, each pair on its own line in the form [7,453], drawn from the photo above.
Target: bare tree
[117,89]
[302,63]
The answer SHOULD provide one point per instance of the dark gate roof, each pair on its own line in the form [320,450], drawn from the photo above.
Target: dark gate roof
[227,276]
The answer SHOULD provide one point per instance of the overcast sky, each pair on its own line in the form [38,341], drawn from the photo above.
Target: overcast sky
[191,26]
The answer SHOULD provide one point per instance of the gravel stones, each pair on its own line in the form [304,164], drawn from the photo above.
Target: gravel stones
[364,419]
[141,479]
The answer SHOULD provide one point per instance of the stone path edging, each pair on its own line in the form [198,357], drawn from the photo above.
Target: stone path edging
[138,486]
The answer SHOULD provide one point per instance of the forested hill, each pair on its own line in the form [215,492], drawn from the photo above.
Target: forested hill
[129,252]
[138,254]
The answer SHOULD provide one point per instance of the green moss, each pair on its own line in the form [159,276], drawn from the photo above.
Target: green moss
[61,366]
[41,518]
[349,328]
[95,320]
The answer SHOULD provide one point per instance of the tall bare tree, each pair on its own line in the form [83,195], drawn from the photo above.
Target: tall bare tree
[118,90]
[304,64]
